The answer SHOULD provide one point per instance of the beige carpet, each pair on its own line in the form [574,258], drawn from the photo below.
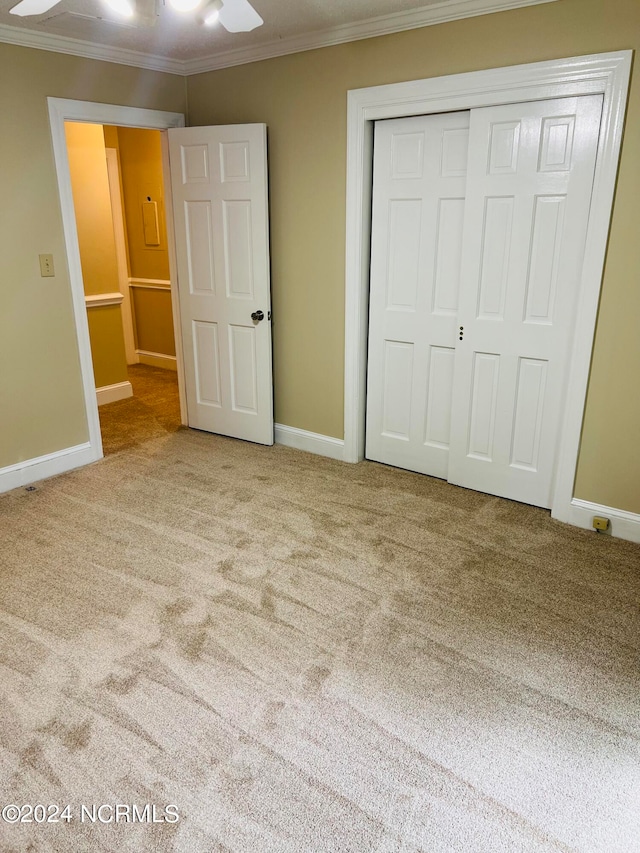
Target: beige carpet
[307,657]
[153,411]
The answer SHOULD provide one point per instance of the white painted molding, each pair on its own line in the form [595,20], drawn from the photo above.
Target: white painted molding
[119,229]
[99,300]
[62,109]
[606,74]
[49,465]
[89,50]
[424,16]
[173,274]
[113,393]
[157,359]
[150,283]
[624,525]
[312,442]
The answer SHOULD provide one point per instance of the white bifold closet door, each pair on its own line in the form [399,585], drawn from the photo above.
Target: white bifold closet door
[419,173]
[489,398]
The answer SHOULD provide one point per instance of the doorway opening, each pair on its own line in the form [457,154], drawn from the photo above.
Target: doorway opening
[216,198]
[118,193]
[60,112]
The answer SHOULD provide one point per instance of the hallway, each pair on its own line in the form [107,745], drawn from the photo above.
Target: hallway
[153,411]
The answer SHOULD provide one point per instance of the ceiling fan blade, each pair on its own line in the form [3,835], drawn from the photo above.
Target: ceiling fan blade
[239,16]
[33,7]
[146,14]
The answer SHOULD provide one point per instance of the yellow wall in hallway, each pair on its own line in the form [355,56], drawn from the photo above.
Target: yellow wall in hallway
[153,320]
[140,157]
[107,345]
[141,174]
[96,239]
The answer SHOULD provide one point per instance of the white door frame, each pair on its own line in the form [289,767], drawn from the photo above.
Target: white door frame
[607,74]
[61,110]
[113,171]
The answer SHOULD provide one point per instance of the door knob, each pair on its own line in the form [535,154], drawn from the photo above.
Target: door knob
[257,316]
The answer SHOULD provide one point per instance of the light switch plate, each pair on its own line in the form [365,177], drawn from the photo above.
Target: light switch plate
[46,265]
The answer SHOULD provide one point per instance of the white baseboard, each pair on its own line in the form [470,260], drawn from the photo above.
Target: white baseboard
[312,442]
[157,359]
[32,470]
[624,525]
[111,393]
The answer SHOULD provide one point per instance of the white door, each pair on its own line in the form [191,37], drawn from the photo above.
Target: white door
[529,187]
[419,171]
[220,201]
[467,364]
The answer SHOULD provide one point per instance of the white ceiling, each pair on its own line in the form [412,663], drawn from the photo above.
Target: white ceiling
[178,43]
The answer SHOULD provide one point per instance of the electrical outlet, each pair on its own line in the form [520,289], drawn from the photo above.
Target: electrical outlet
[46,266]
[600,523]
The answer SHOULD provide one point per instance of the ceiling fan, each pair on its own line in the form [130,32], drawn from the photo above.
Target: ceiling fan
[236,16]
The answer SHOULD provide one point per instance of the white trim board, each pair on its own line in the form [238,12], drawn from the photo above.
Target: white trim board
[312,442]
[173,275]
[99,300]
[61,110]
[88,49]
[119,229]
[424,16]
[396,22]
[606,74]
[150,283]
[41,467]
[157,359]
[624,525]
[113,393]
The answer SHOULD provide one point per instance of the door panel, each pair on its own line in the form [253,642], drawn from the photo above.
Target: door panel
[398,390]
[528,190]
[219,184]
[448,252]
[206,352]
[418,211]
[439,385]
[482,406]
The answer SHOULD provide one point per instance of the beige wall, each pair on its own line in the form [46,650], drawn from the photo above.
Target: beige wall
[96,239]
[41,403]
[302,98]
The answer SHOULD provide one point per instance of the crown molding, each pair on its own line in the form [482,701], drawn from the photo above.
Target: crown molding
[425,16]
[89,50]
[434,13]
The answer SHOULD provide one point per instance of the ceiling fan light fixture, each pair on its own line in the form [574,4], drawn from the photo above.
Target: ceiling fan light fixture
[211,12]
[184,5]
[122,7]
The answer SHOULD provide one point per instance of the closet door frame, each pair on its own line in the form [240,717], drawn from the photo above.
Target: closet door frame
[607,74]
